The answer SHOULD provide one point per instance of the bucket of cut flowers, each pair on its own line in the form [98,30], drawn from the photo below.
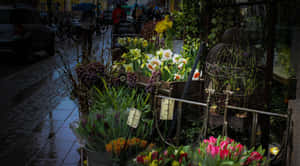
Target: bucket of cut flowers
[125,149]
[109,133]
[219,151]
[170,156]
[169,69]
[225,151]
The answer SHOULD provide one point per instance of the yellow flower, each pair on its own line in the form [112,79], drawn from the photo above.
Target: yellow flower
[137,140]
[128,67]
[129,39]
[163,25]
[147,159]
[175,163]
[135,40]
[154,163]
[150,146]
[143,144]
[145,43]
[108,147]
[124,55]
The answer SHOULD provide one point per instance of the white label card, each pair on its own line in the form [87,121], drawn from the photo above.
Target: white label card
[167,109]
[134,118]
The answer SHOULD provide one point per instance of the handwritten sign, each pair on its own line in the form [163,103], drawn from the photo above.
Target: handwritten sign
[167,109]
[134,118]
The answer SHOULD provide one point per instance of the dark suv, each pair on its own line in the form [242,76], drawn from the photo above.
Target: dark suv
[22,33]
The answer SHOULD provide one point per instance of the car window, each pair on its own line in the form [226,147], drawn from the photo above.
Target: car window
[5,16]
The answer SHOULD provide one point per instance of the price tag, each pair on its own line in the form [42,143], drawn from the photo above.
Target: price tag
[167,109]
[134,118]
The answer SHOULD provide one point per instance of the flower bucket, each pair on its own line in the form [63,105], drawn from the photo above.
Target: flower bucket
[99,158]
[176,89]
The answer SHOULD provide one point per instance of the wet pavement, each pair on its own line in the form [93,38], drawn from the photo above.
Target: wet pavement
[36,112]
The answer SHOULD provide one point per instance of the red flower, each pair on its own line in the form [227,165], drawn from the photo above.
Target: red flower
[224,153]
[199,151]
[224,145]
[212,140]
[239,147]
[254,156]
[172,156]
[229,140]
[154,155]
[181,156]
[213,150]
[140,159]
[205,141]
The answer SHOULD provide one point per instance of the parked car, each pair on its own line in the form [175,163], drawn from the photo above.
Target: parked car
[22,33]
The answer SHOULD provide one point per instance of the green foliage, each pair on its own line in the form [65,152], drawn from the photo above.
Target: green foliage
[108,117]
[222,19]
[284,61]
[186,22]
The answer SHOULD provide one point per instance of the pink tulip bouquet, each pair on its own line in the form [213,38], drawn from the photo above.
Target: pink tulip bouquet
[225,151]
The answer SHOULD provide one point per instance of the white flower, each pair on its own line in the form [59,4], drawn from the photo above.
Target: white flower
[176,58]
[154,61]
[167,55]
[176,151]
[196,75]
[177,77]
[182,60]
[151,67]
[180,66]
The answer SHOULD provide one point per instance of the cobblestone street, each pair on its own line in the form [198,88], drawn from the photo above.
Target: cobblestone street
[36,112]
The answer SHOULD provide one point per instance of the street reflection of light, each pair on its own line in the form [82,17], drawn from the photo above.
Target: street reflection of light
[274,150]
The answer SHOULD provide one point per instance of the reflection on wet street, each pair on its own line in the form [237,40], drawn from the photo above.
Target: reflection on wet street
[36,112]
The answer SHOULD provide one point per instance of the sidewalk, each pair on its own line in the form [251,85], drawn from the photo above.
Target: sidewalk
[58,143]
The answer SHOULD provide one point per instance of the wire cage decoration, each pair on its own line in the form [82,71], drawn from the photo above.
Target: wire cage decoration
[231,65]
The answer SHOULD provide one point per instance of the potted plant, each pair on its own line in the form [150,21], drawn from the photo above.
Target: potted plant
[107,123]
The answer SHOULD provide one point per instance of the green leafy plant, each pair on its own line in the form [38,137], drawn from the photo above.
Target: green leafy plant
[107,119]
[221,20]
[187,20]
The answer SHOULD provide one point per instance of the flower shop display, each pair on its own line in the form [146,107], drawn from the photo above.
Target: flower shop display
[124,149]
[91,74]
[231,67]
[87,76]
[168,157]
[211,152]
[132,43]
[225,151]
[106,124]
